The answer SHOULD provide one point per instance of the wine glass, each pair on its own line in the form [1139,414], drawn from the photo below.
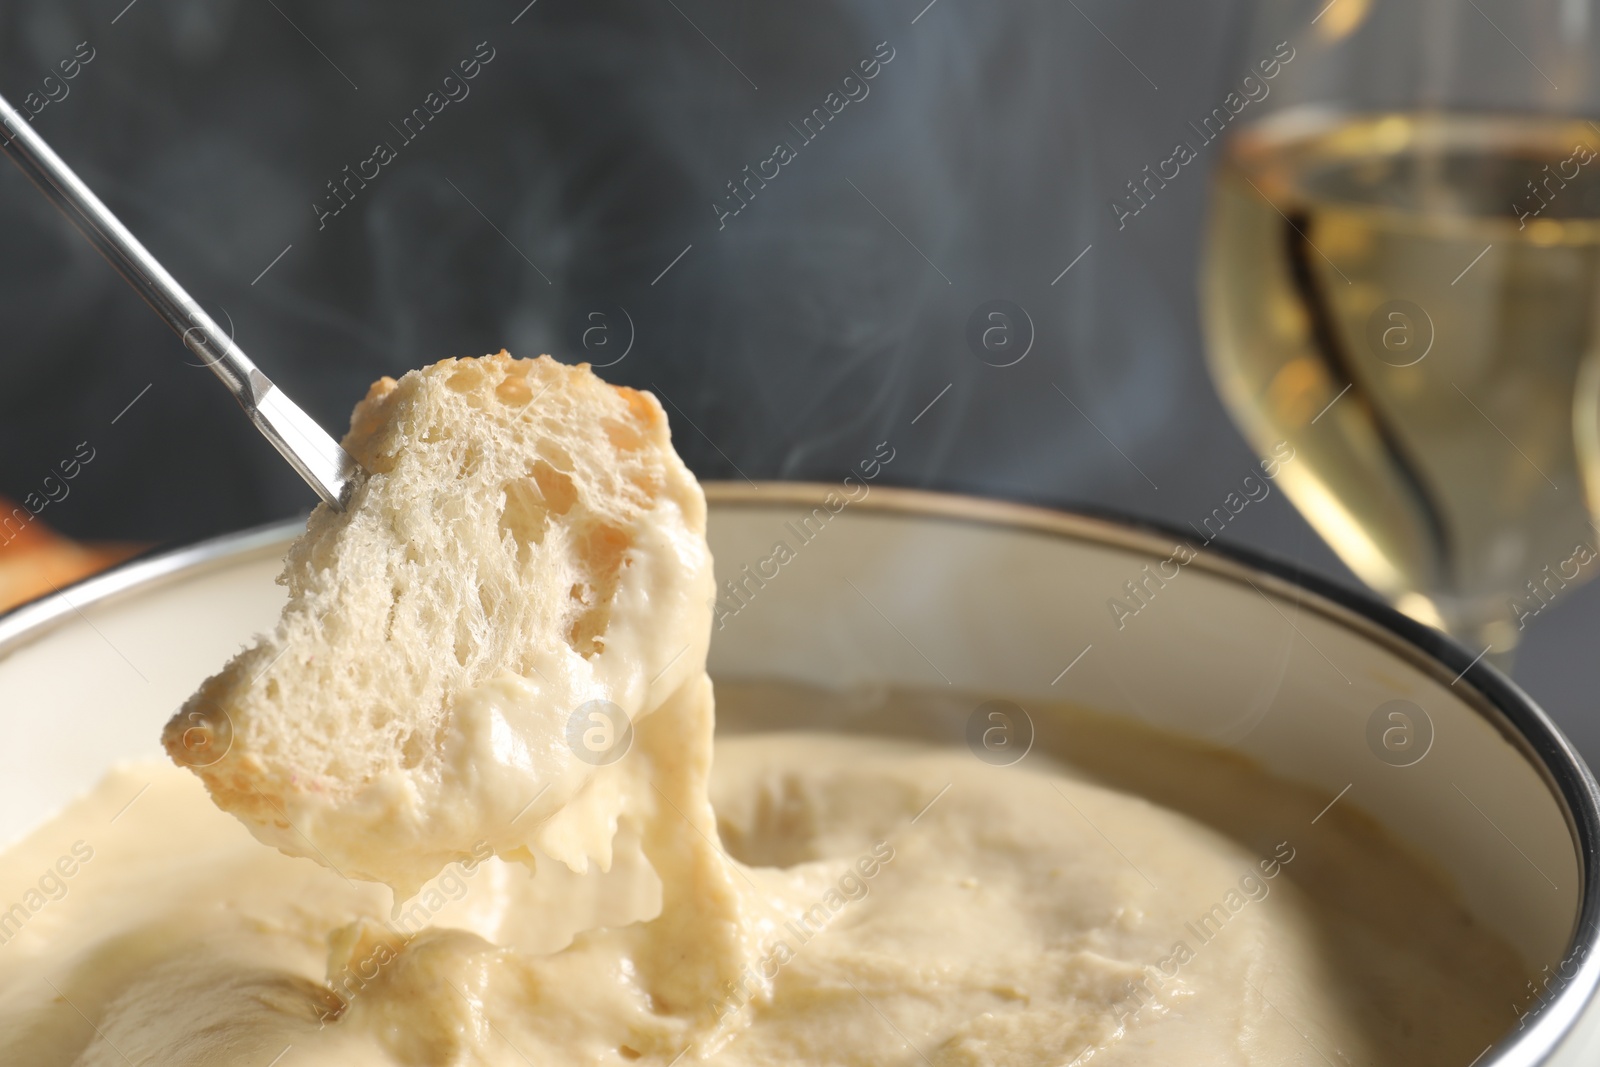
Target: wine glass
[1401,282]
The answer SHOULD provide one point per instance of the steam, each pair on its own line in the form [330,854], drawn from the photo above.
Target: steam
[821,320]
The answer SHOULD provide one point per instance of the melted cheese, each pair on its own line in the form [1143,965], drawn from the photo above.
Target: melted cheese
[852,901]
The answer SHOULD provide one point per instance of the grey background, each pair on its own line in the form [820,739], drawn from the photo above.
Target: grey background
[822,319]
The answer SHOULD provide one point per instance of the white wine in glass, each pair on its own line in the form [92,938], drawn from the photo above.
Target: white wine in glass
[1406,297]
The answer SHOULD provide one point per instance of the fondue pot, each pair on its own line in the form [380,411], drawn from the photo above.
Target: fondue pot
[843,588]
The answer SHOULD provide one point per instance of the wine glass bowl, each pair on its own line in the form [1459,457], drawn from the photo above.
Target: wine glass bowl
[1406,298]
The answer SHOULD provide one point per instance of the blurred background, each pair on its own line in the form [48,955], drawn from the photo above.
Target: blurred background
[600,181]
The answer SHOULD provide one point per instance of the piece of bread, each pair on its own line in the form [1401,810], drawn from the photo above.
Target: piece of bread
[524,542]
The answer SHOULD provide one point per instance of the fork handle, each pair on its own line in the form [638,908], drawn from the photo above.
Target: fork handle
[200,333]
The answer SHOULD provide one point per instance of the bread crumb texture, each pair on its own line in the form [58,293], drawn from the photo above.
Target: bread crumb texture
[524,529]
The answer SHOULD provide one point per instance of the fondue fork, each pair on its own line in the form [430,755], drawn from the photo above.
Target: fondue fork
[316,456]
